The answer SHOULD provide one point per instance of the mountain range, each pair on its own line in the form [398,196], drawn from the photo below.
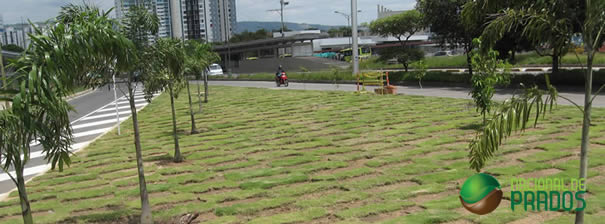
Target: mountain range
[252,26]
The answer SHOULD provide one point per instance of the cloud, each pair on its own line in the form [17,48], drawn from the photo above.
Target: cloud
[301,11]
[39,10]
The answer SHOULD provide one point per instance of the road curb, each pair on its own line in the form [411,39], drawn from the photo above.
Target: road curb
[79,94]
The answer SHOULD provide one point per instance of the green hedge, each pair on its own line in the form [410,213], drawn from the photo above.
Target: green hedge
[565,77]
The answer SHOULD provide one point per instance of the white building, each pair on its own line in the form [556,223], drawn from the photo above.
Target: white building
[193,19]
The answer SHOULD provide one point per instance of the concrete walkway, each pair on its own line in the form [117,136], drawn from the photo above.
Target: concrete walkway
[573,93]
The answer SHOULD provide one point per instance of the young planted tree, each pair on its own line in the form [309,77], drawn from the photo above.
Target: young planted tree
[57,61]
[199,57]
[514,114]
[168,66]
[401,26]
[489,72]
[420,71]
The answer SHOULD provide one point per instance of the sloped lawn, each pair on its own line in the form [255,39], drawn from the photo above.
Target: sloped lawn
[285,156]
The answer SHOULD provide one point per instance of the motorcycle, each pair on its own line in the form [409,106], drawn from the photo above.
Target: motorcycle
[281,80]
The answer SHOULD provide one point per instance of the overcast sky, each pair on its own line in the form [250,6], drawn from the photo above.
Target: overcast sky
[300,11]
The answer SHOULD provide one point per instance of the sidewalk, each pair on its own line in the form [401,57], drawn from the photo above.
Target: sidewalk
[574,93]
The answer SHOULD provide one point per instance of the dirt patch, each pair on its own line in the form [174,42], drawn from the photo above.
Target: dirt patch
[431,154]
[352,165]
[521,154]
[417,141]
[321,193]
[205,217]
[460,221]
[541,173]
[396,164]
[328,219]
[391,187]
[422,198]
[90,198]
[538,217]
[233,202]
[389,215]
[123,178]
[563,159]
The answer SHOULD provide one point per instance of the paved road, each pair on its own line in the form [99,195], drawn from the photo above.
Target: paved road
[95,115]
[574,94]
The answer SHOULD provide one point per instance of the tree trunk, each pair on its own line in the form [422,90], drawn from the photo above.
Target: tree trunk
[205,87]
[199,96]
[193,128]
[469,63]
[25,208]
[177,151]
[555,61]
[585,132]
[405,66]
[146,217]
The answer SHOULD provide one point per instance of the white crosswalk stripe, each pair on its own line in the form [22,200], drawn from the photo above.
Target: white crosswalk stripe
[110,115]
[107,121]
[110,108]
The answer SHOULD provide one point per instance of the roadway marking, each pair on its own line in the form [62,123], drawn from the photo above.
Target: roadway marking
[112,108]
[111,115]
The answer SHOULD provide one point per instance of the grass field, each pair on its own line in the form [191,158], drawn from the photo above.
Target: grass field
[285,156]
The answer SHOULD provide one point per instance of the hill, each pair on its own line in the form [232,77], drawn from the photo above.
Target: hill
[255,25]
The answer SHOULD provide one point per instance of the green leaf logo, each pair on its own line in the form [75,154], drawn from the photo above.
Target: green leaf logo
[481,194]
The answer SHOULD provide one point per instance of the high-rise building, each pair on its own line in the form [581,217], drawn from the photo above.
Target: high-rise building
[209,20]
[222,19]
[159,7]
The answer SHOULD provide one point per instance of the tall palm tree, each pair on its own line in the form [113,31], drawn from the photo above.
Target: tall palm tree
[138,25]
[54,65]
[198,57]
[168,66]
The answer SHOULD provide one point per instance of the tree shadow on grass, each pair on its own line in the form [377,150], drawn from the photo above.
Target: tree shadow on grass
[474,126]
[118,215]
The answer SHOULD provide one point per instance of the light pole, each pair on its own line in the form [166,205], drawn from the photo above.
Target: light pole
[354,32]
[282,3]
[348,17]
[115,97]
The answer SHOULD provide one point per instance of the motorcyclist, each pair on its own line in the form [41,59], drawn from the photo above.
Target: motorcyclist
[280,70]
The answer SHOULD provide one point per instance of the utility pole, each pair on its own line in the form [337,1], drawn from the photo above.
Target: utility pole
[281,3]
[354,34]
[227,35]
[4,79]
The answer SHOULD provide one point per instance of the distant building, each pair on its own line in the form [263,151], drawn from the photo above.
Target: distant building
[223,19]
[159,7]
[18,34]
[385,12]
[193,19]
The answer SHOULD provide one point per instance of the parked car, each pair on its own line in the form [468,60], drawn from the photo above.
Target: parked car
[215,69]
[443,53]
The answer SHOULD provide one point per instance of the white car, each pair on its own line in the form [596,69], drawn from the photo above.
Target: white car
[215,69]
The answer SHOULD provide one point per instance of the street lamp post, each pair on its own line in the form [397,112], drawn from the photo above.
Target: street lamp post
[115,97]
[348,17]
[282,3]
[354,32]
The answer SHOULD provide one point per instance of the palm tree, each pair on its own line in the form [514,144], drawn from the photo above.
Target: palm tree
[199,57]
[138,24]
[168,66]
[52,68]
